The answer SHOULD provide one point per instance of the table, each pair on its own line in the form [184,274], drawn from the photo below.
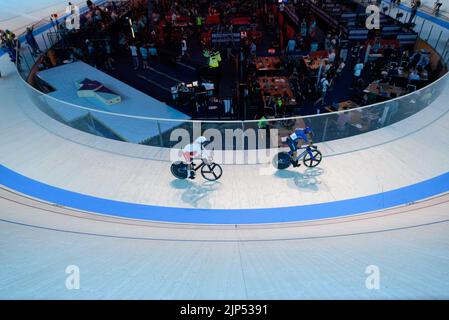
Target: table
[405,73]
[254,35]
[214,19]
[276,86]
[375,56]
[314,63]
[267,63]
[181,22]
[241,21]
[384,90]
[384,43]
[344,105]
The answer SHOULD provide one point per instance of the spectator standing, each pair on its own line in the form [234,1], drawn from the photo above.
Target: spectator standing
[29,37]
[183,47]
[291,45]
[135,57]
[414,76]
[415,5]
[153,54]
[90,4]
[437,6]
[341,66]
[304,28]
[327,42]
[357,72]
[253,48]
[332,56]
[144,54]
[356,52]
[199,23]
[424,61]
[324,86]
[91,52]
[109,59]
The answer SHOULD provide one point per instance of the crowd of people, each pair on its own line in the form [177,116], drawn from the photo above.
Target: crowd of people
[171,28]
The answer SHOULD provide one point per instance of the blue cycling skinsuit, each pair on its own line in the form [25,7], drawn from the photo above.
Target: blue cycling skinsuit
[292,140]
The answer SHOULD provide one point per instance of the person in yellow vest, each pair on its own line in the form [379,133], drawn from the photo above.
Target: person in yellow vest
[279,104]
[262,124]
[199,23]
[214,60]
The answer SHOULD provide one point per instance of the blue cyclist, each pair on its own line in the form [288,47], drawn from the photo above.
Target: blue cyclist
[304,134]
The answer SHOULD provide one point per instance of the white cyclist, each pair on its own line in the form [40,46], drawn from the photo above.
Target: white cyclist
[194,151]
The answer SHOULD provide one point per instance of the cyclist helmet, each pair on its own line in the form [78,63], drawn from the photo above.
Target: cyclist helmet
[200,140]
[308,130]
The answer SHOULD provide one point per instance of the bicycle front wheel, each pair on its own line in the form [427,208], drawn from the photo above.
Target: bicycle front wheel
[312,158]
[211,172]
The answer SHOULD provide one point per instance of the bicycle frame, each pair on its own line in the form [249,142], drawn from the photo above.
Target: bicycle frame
[307,150]
[195,168]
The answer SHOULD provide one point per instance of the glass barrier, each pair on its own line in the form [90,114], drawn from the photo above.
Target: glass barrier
[236,135]
[227,135]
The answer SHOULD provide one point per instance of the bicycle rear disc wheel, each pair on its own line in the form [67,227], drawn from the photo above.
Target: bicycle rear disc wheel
[179,170]
[211,172]
[281,161]
[312,161]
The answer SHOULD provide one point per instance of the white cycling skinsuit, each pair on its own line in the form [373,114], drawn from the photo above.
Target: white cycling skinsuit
[193,151]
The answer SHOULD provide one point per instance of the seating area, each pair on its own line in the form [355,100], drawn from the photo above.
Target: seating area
[258,59]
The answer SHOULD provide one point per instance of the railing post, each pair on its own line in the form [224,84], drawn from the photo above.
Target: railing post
[439,37]
[446,55]
[445,47]
[45,41]
[32,55]
[243,135]
[422,25]
[430,32]
[325,129]
[28,66]
[161,141]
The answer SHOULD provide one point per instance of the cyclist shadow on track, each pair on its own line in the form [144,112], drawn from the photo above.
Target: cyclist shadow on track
[196,194]
[307,181]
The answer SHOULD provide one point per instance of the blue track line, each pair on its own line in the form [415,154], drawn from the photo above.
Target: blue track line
[380,201]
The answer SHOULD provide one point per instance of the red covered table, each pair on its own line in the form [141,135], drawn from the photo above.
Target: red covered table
[213,19]
[241,21]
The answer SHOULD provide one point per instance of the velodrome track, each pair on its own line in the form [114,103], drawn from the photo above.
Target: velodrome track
[121,257]
[128,258]
[370,164]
